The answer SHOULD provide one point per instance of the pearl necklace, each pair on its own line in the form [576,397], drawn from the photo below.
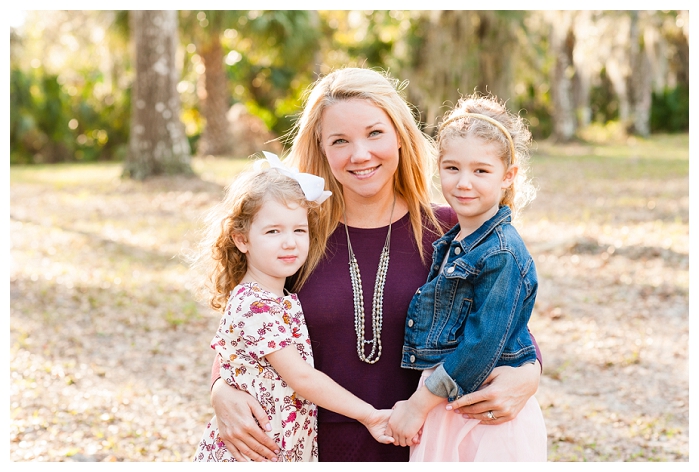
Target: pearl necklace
[377,303]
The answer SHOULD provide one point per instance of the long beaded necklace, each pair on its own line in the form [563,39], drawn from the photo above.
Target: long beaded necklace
[377,302]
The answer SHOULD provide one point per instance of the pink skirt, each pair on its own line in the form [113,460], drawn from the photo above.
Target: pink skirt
[448,437]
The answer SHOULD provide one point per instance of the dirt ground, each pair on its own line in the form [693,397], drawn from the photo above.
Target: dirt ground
[109,356]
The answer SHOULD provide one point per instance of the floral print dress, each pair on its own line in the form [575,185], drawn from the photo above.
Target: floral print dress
[257,323]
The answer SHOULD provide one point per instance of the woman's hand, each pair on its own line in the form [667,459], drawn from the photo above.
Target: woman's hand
[504,393]
[236,412]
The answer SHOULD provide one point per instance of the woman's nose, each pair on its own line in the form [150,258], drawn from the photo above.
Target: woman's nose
[360,153]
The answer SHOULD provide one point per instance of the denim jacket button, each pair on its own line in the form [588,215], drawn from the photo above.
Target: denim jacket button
[457,251]
[412,359]
[450,270]
[410,323]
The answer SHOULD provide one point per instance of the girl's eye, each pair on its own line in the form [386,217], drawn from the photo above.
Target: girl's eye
[301,230]
[273,231]
[375,132]
[339,141]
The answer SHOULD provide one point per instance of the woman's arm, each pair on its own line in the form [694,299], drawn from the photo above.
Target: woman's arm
[512,388]
[239,418]
[505,392]
[317,387]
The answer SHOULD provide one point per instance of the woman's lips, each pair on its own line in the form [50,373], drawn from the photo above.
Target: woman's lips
[364,172]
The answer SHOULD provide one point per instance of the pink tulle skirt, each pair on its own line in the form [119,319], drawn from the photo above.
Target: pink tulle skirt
[448,437]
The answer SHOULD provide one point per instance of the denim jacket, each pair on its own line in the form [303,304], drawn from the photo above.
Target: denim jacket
[472,316]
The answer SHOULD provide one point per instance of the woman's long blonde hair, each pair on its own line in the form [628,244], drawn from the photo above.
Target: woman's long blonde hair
[219,263]
[417,153]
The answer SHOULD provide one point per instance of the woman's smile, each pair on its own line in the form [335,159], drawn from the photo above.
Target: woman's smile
[364,172]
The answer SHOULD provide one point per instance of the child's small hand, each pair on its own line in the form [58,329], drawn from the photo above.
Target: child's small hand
[376,424]
[405,424]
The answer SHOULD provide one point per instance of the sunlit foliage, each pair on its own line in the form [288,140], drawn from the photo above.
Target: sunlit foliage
[71,71]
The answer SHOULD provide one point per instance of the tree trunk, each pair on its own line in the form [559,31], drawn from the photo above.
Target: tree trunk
[216,137]
[584,52]
[640,79]
[444,64]
[157,142]
[562,45]
[617,63]
[496,34]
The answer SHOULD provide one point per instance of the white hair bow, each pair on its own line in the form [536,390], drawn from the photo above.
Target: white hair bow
[312,185]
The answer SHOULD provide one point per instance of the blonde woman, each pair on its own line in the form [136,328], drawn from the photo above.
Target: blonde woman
[358,133]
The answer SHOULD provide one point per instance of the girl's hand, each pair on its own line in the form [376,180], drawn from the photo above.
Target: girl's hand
[376,424]
[504,392]
[236,412]
[405,424]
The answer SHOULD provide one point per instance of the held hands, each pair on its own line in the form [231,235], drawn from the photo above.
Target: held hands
[405,424]
[377,423]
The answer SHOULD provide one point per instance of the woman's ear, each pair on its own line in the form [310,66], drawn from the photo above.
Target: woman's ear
[240,242]
[510,175]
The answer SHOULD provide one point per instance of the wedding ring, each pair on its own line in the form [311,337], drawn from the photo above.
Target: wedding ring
[490,415]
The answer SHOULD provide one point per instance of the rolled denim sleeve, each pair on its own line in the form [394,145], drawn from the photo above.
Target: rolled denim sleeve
[500,293]
[440,384]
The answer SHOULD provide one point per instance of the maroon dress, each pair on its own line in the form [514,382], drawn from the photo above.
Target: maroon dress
[327,302]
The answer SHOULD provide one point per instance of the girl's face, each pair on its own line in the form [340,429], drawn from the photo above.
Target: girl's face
[361,145]
[473,179]
[277,243]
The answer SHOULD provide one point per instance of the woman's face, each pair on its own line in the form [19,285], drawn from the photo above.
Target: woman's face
[361,145]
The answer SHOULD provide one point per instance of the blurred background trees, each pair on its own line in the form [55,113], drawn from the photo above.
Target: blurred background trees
[241,74]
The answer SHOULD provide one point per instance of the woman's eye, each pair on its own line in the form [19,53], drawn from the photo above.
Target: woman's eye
[376,132]
[339,141]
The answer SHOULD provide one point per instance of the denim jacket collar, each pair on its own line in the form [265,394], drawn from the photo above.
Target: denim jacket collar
[504,215]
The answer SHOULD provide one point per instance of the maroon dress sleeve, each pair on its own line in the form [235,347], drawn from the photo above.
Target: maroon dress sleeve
[538,352]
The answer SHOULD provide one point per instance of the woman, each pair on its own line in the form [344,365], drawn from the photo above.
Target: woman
[360,136]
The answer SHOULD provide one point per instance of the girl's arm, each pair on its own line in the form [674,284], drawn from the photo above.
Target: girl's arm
[502,301]
[409,416]
[317,387]
[242,421]
[463,369]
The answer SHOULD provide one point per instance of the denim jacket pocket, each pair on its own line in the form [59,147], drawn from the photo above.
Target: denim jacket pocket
[458,321]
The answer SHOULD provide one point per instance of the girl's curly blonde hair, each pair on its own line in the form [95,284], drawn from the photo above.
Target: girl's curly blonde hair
[218,262]
[459,124]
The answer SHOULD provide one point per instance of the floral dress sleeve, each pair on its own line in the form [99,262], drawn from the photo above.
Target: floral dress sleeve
[254,324]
